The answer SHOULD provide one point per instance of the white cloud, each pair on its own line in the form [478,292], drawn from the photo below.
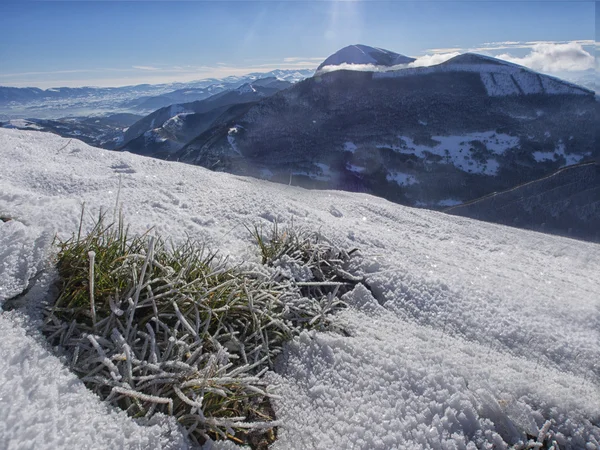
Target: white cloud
[420,61]
[432,60]
[300,59]
[145,68]
[553,57]
[507,45]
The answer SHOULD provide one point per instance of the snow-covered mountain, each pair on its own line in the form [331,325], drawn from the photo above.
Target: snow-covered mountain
[428,136]
[499,77]
[365,55]
[470,334]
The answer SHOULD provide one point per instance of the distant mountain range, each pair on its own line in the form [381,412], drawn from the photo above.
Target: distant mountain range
[54,103]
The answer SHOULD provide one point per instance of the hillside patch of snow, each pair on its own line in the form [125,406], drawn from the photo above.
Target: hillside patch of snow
[470,335]
[403,179]
[231,138]
[449,202]
[456,150]
[350,147]
[557,153]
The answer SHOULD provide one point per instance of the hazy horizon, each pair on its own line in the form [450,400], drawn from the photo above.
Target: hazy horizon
[110,44]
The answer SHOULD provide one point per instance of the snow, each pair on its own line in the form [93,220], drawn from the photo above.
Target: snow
[471,334]
[403,179]
[231,138]
[44,406]
[22,124]
[322,174]
[350,147]
[355,168]
[499,79]
[456,150]
[245,89]
[360,55]
[175,123]
[266,173]
[449,202]
[557,153]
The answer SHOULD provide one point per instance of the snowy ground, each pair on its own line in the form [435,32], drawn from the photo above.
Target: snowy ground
[475,334]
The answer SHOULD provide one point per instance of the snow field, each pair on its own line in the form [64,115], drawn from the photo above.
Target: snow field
[471,335]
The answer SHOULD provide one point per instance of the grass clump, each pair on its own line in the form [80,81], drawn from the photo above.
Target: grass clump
[152,327]
[314,264]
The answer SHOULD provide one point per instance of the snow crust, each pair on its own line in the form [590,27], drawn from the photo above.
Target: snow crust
[470,335]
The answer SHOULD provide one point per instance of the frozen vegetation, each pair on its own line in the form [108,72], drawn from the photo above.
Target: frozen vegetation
[464,335]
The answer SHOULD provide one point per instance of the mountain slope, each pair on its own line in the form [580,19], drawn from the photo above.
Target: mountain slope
[168,129]
[566,202]
[472,335]
[363,54]
[431,136]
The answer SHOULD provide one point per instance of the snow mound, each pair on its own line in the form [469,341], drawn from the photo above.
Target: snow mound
[466,334]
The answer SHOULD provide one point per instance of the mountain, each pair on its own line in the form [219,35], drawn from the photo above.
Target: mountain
[566,202]
[168,129]
[429,136]
[470,335]
[52,103]
[363,54]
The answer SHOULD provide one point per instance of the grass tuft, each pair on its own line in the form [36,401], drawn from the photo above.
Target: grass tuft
[153,327]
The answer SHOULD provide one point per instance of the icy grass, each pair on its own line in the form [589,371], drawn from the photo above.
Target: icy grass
[156,328]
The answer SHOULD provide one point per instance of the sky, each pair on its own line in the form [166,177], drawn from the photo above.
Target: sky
[113,43]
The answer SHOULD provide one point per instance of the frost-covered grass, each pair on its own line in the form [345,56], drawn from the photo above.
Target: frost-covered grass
[151,327]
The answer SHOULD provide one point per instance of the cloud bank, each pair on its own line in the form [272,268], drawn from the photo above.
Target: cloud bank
[551,57]
[420,61]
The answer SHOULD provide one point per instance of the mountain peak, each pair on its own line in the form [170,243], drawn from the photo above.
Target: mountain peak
[363,54]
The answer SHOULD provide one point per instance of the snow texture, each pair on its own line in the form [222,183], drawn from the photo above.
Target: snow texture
[469,335]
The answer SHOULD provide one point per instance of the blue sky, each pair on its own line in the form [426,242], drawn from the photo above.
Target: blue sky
[111,43]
